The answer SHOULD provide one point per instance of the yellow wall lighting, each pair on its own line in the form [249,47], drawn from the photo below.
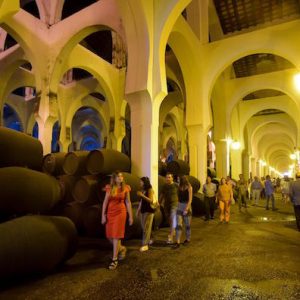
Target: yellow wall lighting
[235,145]
[297,81]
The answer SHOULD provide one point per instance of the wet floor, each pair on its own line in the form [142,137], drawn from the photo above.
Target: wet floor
[256,256]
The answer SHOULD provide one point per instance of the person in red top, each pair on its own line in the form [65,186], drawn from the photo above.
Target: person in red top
[115,206]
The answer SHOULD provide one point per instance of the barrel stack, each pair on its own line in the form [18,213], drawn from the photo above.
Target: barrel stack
[83,176]
[29,244]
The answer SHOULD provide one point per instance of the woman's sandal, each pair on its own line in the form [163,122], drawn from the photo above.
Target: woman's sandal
[122,253]
[113,265]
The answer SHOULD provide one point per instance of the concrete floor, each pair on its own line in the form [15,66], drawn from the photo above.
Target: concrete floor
[256,256]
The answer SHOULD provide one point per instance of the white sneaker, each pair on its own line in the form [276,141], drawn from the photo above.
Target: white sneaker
[151,242]
[144,248]
[169,240]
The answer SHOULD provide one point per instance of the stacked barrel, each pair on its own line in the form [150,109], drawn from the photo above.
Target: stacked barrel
[30,241]
[83,176]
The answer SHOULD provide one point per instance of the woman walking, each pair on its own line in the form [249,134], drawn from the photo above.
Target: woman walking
[116,204]
[225,197]
[184,212]
[146,211]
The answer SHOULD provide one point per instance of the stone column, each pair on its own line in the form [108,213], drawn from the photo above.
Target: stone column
[246,165]
[46,115]
[144,136]
[222,158]
[236,163]
[197,151]
[253,166]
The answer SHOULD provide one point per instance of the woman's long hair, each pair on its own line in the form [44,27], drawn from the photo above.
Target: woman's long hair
[147,185]
[184,183]
[222,180]
[113,182]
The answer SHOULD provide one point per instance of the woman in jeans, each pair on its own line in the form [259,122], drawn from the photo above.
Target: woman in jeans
[147,213]
[184,212]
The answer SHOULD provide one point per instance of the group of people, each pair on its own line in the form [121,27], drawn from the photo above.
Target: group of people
[175,200]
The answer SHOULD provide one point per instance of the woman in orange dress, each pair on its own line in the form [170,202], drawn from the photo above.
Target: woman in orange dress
[115,206]
[224,196]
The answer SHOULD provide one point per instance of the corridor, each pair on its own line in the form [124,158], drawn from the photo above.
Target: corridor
[255,256]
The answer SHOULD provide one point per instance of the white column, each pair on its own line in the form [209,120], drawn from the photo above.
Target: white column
[144,136]
[222,158]
[253,167]
[197,152]
[236,163]
[246,165]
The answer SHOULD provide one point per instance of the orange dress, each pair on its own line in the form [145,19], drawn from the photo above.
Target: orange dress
[224,192]
[116,214]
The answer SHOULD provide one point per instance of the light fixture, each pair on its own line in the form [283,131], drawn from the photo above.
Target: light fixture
[235,145]
[293,156]
[297,81]
[262,162]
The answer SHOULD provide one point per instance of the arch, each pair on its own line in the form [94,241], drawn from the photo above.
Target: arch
[84,102]
[270,139]
[108,78]
[92,19]
[170,101]
[266,82]
[257,123]
[219,58]
[11,118]
[188,58]
[282,103]
[86,132]
[170,12]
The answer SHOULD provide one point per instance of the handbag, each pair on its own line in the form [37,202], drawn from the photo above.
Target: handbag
[154,204]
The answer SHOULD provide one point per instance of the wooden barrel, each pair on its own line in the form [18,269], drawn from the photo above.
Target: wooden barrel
[67,183]
[87,190]
[211,172]
[53,163]
[135,230]
[106,161]
[130,179]
[19,149]
[178,167]
[162,168]
[74,211]
[75,163]
[33,245]
[24,191]
[195,183]
[92,221]
[198,206]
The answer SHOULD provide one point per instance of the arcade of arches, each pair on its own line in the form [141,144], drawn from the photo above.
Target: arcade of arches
[189,79]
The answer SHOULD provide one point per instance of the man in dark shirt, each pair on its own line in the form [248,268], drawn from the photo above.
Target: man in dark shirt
[169,201]
[295,198]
